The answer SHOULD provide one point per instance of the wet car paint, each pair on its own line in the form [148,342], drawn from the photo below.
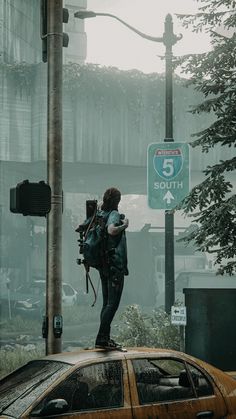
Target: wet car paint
[223,402]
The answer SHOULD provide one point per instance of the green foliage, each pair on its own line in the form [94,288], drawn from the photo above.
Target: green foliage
[212,203]
[137,329]
[113,86]
[104,84]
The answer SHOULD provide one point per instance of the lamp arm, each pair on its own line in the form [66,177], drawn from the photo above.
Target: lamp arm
[143,35]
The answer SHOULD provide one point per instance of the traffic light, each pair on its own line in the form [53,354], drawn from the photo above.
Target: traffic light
[30,198]
[65,19]
[44,29]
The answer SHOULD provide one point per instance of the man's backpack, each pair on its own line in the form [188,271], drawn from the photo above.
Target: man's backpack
[93,240]
[93,243]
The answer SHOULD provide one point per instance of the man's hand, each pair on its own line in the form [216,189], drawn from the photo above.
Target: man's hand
[125,222]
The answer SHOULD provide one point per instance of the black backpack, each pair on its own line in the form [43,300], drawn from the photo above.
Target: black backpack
[94,242]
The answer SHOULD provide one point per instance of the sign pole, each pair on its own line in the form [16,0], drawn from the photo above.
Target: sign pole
[169,40]
[182,338]
[179,318]
[166,168]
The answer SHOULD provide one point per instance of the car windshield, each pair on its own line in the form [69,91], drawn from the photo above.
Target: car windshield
[68,290]
[19,389]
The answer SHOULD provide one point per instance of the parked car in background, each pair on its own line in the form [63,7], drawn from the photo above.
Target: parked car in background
[30,300]
[69,294]
[139,384]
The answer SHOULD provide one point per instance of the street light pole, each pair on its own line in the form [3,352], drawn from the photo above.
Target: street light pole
[168,39]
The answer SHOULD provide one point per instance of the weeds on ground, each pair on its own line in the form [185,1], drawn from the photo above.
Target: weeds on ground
[21,325]
[11,360]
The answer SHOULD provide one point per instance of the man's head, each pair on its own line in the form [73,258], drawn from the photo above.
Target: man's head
[111,199]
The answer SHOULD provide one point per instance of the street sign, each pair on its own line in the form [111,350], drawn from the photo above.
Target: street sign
[178,315]
[168,174]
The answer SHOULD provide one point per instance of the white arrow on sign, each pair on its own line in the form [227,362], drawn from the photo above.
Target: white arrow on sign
[168,197]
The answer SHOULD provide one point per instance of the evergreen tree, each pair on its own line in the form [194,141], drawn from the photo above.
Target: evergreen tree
[212,203]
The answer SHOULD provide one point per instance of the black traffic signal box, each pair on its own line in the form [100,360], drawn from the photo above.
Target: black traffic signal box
[30,198]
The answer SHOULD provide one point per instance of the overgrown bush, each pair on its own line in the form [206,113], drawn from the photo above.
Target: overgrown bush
[155,330]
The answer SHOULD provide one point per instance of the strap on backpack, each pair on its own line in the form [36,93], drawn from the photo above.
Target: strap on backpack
[89,280]
[87,275]
[90,224]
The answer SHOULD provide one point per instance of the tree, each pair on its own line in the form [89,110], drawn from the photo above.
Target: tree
[212,203]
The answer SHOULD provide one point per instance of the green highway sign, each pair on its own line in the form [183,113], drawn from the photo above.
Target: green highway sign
[168,174]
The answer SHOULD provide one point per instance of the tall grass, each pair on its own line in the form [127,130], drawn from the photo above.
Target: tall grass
[11,360]
[21,325]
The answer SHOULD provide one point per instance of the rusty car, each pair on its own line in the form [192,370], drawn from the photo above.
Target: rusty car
[137,384]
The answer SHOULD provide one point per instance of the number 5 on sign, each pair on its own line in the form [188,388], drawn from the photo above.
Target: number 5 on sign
[168,167]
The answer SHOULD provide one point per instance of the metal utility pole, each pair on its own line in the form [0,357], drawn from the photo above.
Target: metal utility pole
[169,39]
[53,320]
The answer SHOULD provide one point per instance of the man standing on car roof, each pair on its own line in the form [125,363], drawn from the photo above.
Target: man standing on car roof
[112,274]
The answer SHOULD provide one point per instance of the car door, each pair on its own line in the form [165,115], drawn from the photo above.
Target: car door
[167,388]
[99,390]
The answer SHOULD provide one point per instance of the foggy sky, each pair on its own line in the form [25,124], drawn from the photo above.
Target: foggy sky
[112,44]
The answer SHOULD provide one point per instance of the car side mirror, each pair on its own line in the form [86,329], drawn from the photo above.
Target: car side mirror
[53,407]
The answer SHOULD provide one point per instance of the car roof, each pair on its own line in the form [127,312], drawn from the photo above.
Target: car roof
[84,355]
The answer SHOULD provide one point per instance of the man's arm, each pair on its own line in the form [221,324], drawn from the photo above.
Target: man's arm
[113,230]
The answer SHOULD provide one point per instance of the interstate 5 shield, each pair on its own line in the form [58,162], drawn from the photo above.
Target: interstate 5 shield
[168,174]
